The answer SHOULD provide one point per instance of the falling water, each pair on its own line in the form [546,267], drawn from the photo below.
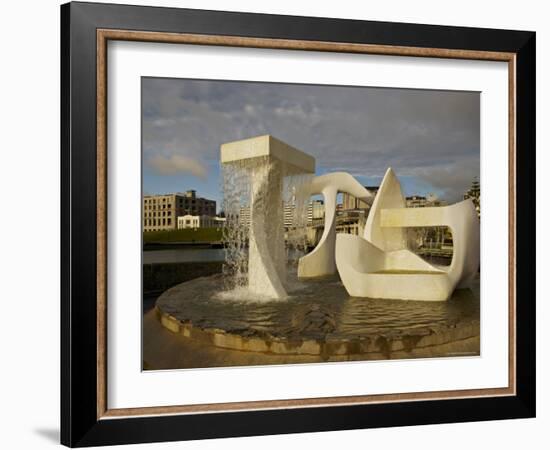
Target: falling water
[236,205]
[296,197]
[237,179]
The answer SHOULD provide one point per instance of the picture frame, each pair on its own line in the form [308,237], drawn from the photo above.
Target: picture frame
[86,418]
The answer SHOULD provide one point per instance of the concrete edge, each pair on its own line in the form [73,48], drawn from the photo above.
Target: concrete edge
[380,344]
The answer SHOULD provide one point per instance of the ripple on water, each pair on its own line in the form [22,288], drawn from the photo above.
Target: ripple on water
[314,308]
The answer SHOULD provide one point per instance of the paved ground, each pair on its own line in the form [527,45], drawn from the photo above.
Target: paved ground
[163,349]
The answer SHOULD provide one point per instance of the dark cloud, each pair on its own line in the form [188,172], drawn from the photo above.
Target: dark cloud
[432,136]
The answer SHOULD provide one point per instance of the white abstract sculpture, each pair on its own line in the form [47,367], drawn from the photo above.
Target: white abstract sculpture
[321,260]
[267,161]
[380,264]
[377,265]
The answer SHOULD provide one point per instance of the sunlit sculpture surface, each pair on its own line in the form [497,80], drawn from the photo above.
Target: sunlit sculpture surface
[379,265]
[321,260]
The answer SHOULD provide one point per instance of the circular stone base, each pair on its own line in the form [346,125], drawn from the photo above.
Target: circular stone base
[320,319]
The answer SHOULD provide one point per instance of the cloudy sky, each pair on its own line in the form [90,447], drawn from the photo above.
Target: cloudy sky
[430,138]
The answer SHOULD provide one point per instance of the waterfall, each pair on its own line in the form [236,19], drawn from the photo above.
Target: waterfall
[255,194]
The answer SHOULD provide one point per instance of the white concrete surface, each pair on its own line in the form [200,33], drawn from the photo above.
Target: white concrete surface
[463,222]
[389,195]
[321,260]
[381,266]
[267,145]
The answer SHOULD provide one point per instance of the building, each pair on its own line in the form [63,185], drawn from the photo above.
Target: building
[219,222]
[160,212]
[428,241]
[189,221]
[315,211]
[289,218]
[419,201]
[244,215]
[351,221]
[474,193]
[415,201]
[350,202]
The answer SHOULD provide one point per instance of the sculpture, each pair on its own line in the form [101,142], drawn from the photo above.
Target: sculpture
[379,265]
[321,260]
[266,161]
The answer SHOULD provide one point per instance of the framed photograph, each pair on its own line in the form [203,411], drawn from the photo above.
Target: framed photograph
[277,224]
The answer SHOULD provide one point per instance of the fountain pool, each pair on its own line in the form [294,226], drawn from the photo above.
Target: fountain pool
[318,318]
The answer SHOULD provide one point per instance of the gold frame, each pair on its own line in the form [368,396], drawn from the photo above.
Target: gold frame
[104,35]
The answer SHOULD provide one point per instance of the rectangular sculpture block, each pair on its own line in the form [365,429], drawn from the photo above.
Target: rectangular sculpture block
[267,145]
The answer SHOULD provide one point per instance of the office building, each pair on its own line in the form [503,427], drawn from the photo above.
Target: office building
[350,202]
[160,212]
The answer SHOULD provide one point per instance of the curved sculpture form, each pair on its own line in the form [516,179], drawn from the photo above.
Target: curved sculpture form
[389,196]
[320,261]
[266,245]
[380,265]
